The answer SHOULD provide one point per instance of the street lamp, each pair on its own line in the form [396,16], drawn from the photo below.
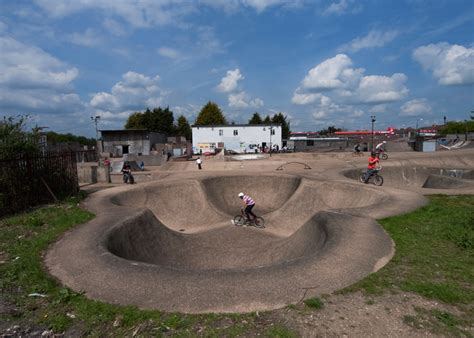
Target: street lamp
[271,131]
[417,131]
[96,120]
[372,118]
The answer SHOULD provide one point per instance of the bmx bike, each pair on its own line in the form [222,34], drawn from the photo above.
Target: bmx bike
[374,178]
[241,220]
[382,155]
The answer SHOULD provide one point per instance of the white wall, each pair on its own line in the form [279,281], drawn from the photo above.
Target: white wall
[207,138]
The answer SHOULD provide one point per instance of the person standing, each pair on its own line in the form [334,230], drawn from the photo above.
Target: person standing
[199,163]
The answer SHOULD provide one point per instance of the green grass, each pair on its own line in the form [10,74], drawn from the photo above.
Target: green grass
[434,258]
[434,255]
[314,303]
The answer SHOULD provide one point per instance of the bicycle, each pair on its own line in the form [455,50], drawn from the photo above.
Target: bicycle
[241,220]
[382,155]
[357,153]
[374,177]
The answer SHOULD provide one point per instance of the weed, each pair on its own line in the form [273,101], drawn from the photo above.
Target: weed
[314,303]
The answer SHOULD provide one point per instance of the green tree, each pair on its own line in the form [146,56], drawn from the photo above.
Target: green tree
[329,130]
[457,127]
[267,120]
[285,125]
[210,114]
[15,139]
[162,121]
[135,121]
[183,128]
[256,119]
[54,138]
[157,120]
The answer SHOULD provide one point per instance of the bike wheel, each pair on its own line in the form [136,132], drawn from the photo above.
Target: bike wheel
[384,157]
[239,220]
[378,180]
[131,179]
[259,222]
[362,178]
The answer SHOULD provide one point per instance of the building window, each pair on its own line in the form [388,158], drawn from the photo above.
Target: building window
[309,143]
[236,132]
[221,132]
[272,131]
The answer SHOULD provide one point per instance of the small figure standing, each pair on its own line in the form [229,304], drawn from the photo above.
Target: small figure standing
[199,163]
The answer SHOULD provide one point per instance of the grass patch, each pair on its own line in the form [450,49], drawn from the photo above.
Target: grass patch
[434,256]
[314,303]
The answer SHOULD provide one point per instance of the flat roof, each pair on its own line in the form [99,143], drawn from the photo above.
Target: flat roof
[238,125]
[122,130]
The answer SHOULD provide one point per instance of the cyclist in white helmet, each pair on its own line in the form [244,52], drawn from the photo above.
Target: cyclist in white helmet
[249,203]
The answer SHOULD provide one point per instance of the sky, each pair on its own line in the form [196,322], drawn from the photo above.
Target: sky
[320,62]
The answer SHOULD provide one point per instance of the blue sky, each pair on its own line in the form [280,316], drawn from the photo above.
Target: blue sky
[321,62]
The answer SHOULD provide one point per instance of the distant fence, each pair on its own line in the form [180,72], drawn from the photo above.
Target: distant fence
[27,181]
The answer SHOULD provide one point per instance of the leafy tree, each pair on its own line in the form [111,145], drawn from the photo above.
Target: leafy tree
[135,121]
[455,127]
[162,121]
[329,131]
[183,128]
[14,139]
[54,138]
[256,119]
[157,120]
[285,125]
[210,114]
[267,120]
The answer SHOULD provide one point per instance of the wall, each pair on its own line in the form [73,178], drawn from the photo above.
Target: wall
[247,136]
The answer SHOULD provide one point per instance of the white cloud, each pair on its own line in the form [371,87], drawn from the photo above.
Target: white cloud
[320,114]
[169,52]
[135,91]
[416,107]
[342,7]
[242,100]
[450,64]
[343,84]
[381,89]
[304,98]
[331,73]
[229,83]
[89,38]
[114,27]
[136,13]
[337,7]
[373,39]
[30,78]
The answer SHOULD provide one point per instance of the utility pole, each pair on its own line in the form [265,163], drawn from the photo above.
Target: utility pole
[271,130]
[372,118]
[96,120]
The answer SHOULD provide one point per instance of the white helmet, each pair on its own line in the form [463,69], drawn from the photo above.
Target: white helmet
[241,194]
[384,142]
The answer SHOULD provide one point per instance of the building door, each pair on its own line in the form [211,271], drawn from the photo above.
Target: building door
[125,149]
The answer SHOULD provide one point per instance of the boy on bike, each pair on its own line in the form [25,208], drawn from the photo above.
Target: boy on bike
[372,166]
[380,148]
[357,148]
[249,203]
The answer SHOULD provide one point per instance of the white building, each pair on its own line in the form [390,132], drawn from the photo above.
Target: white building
[241,138]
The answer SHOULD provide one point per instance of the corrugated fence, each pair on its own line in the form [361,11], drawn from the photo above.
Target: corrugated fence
[27,181]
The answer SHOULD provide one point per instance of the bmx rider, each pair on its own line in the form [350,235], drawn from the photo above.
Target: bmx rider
[372,166]
[249,203]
